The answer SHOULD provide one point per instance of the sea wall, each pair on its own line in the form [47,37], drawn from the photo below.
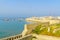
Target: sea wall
[25,30]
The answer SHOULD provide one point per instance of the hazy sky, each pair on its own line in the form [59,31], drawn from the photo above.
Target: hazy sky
[25,8]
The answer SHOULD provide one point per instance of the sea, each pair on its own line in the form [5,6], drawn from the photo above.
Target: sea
[11,28]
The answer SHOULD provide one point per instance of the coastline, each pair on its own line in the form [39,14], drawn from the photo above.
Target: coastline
[29,27]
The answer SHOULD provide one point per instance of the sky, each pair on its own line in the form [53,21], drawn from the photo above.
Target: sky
[27,8]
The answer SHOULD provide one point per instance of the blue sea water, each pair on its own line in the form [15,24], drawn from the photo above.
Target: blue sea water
[10,28]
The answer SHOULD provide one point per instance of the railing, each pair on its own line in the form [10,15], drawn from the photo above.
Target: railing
[27,37]
[12,37]
[18,37]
